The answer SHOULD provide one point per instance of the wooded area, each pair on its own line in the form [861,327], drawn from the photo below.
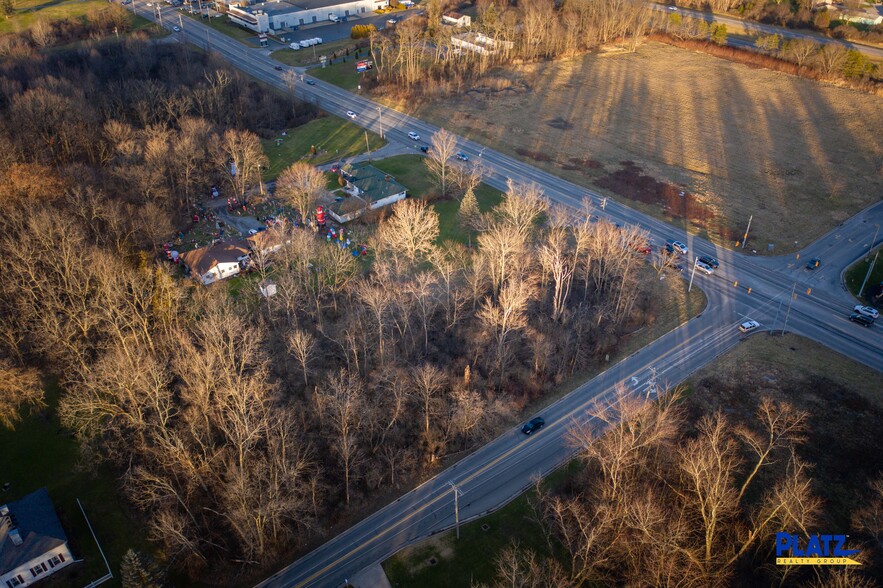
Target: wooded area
[243,427]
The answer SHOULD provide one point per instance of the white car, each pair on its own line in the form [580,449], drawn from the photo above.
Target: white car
[351,114]
[676,246]
[748,326]
[868,311]
[414,136]
[704,267]
[672,8]
[176,28]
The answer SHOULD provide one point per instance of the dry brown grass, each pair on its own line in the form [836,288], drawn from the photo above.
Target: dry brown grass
[798,155]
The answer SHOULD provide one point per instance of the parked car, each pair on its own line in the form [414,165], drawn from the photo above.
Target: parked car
[861,319]
[708,260]
[391,21]
[673,246]
[813,263]
[533,426]
[868,311]
[351,114]
[704,267]
[462,156]
[749,326]
[413,136]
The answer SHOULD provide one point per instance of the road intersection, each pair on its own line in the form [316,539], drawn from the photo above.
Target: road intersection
[766,289]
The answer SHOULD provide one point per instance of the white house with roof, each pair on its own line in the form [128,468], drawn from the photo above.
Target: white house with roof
[33,544]
[279,15]
[215,262]
[455,19]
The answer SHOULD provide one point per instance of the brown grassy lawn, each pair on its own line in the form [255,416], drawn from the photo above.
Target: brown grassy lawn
[798,155]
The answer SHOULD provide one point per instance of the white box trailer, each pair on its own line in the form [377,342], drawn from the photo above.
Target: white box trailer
[318,40]
[305,44]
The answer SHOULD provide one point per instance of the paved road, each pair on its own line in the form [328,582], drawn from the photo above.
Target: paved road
[745,286]
[759,28]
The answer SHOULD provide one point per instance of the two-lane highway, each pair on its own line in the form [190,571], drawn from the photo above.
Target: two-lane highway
[743,287]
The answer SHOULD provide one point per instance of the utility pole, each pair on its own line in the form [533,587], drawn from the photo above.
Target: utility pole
[787,314]
[457,493]
[748,228]
[367,145]
[693,273]
[778,310]
[181,25]
[868,275]
[208,41]
[380,113]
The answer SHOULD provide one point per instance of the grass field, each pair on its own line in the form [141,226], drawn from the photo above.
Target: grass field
[311,55]
[410,171]
[29,11]
[798,155]
[39,453]
[855,275]
[333,137]
[341,74]
[222,25]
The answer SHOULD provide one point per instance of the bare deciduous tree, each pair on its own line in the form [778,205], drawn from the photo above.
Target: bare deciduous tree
[19,388]
[299,185]
[411,231]
[443,145]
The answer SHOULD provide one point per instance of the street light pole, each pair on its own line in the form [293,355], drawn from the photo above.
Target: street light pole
[380,113]
[748,228]
[787,314]
[456,507]
[874,240]
[868,275]
[693,273]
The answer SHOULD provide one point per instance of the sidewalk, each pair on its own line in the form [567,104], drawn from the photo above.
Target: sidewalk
[372,577]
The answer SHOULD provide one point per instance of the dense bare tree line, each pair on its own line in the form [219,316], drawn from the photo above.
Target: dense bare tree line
[668,501]
[418,55]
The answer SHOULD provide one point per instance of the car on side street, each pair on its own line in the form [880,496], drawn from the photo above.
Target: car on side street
[533,425]
[861,319]
[710,261]
[868,311]
[413,136]
[749,326]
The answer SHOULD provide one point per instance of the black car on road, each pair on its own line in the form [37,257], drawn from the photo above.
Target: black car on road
[710,261]
[861,319]
[813,263]
[533,426]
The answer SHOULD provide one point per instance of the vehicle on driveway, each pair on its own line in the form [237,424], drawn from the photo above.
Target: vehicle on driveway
[673,246]
[813,263]
[749,326]
[351,114]
[533,426]
[861,319]
[708,260]
[413,136]
[868,311]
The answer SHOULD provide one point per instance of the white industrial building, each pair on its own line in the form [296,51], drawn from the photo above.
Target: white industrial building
[280,15]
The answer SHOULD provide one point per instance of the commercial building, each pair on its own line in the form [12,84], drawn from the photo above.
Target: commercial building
[281,15]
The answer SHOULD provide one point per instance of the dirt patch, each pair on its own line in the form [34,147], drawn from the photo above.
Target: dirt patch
[535,155]
[675,201]
[799,155]
[560,124]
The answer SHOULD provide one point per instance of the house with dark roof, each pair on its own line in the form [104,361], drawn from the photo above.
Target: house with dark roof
[368,189]
[32,543]
[216,261]
[269,241]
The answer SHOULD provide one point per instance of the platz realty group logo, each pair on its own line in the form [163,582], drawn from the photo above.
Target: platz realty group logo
[817,550]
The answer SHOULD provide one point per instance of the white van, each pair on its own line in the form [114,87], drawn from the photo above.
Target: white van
[333,17]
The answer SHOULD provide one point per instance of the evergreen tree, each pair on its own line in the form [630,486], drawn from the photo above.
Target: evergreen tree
[468,212]
[139,571]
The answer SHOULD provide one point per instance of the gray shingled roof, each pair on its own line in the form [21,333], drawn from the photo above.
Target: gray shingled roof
[34,517]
